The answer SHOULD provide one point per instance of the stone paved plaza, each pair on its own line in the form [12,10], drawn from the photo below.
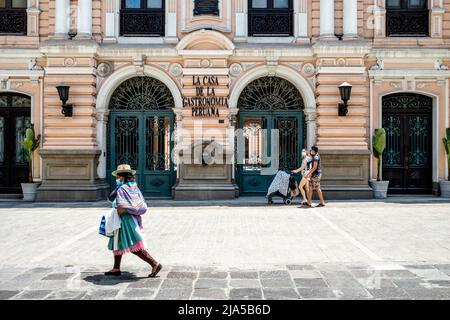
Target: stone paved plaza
[397,249]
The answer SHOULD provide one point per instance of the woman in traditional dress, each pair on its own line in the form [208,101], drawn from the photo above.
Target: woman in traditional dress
[130,204]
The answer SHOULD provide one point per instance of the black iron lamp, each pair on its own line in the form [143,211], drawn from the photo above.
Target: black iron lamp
[345,89]
[67,109]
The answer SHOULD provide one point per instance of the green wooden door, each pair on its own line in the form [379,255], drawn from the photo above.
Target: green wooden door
[143,140]
[259,148]
[141,128]
[266,104]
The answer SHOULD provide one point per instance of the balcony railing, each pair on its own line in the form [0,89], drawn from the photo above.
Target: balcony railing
[270,22]
[142,22]
[13,21]
[407,23]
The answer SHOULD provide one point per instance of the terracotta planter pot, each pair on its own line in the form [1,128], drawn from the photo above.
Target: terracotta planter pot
[379,188]
[445,188]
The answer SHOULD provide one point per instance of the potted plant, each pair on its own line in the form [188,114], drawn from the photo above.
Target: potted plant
[445,184]
[379,186]
[30,144]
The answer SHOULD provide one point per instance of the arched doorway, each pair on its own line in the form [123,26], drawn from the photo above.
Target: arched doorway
[407,160]
[15,110]
[269,103]
[141,127]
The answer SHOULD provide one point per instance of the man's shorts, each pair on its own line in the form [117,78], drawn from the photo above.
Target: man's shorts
[315,182]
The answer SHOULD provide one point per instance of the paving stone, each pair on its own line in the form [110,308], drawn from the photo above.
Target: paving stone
[244,275]
[277,283]
[351,293]
[300,267]
[344,282]
[431,274]
[409,283]
[428,294]
[388,293]
[376,283]
[176,283]
[213,275]
[399,274]
[210,294]
[245,294]
[32,295]
[50,285]
[278,274]
[440,283]
[13,285]
[316,293]
[146,283]
[245,283]
[174,294]
[311,274]
[365,273]
[182,275]
[66,295]
[138,293]
[314,283]
[39,270]
[210,283]
[6,294]
[337,274]
[419,266]
[280,293]
[100,295]
[59,276]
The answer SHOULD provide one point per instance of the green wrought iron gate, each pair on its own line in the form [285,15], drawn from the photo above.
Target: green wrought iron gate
[141,127]
[407,160]
[266,104]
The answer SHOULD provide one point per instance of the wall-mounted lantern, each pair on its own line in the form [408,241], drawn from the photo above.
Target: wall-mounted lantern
[345,89]
[67,109]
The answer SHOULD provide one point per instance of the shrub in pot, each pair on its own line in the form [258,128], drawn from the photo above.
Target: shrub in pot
[30,144]
[445,184]
[379,186]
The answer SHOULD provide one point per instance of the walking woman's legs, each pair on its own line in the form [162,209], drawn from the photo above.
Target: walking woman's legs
[145,255]
[303,183]
[117,261]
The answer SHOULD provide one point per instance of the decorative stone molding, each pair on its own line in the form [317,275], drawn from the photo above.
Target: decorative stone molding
[104,69]
[235,69]
[176,69]
[308,69]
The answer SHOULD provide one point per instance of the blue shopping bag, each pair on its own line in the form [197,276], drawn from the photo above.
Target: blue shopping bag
[102,229]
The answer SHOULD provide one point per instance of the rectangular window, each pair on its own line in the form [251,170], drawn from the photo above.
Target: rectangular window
[19,4]
[270,18]
[142,18]
[407,18]
[13,17]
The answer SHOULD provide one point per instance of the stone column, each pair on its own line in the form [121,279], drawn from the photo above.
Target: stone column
[310,118]
[110,22]
[84,19]
[379,17]
[327,19]
[301,19]
[171,18]
[241,20]
[62,18]
[437,18]
[350,18]
[102,120]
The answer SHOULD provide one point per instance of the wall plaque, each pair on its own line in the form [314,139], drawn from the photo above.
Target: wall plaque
[206,7]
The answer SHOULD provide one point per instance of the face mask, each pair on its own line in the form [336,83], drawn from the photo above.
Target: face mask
[119,183]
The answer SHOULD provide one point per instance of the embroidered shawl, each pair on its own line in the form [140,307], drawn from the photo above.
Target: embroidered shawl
[130,197]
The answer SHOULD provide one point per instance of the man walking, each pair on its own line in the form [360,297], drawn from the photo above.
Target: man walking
[315,174]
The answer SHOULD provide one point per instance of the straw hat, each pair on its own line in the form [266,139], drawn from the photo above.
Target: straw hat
[123,168]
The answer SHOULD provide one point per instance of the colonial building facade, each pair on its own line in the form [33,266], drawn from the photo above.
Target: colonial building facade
[152,80]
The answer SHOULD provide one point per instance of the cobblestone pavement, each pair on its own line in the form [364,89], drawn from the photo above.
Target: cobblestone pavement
[348,250]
